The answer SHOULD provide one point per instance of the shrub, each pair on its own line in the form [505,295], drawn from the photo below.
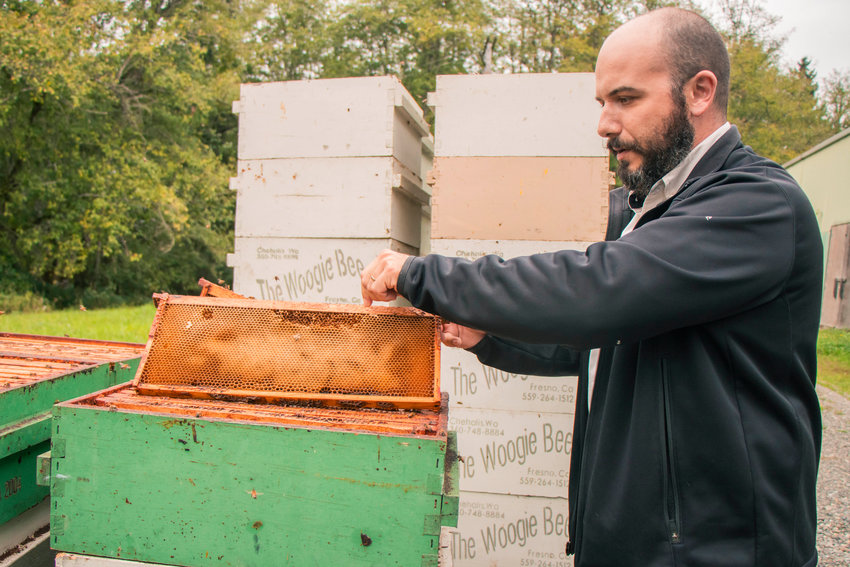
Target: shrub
[25,302]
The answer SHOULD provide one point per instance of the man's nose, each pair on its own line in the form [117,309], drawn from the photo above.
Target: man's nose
[609,125]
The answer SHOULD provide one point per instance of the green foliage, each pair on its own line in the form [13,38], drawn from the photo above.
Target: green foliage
[547,36]
[289,42]
[836,99]
[445,37]
[11,302]
[558,35]
[110,171]
[776,111]
[413,39]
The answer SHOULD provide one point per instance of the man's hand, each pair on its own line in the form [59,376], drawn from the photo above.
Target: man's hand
[458,336]
[379,281]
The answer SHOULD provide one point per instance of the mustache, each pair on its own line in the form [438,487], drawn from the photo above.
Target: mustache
[617,145]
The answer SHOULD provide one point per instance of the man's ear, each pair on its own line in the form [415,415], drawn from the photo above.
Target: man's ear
[700,91]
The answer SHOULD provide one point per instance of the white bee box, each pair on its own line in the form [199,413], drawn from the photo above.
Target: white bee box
[528,114]
[470,383]
[512,452]
[520,198]
[324,270]
[359,197]
[347,117]
[496,530]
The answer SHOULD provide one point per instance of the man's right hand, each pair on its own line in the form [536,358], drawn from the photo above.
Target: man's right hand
[458,336]
[379,281]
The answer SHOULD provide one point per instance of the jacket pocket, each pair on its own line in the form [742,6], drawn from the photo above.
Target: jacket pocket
[671,484]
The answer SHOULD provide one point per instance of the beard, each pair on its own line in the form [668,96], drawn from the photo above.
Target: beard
[661,154]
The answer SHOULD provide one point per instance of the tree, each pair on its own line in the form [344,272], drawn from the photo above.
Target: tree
[367,38]
[445,37]
[776,109]
[413,39]
[289,41]
[558,35]
[112,173]
[748,21]
[836,99]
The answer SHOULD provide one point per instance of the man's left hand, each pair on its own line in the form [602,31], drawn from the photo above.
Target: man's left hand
[379,281]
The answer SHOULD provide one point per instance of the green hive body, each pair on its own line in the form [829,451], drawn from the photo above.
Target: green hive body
[36,372]
[185,491]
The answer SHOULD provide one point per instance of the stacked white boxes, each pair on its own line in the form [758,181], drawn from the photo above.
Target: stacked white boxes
[518,169]
[330,172]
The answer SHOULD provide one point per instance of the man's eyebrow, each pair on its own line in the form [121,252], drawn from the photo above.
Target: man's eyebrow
[621,90]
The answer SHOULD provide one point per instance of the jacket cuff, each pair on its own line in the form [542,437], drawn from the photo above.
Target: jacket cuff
[482,348]
[402,276]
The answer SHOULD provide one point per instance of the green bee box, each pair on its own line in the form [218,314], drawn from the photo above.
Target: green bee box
[36,372]
[196,482]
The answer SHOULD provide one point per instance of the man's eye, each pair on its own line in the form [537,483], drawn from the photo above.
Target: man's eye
[624,99]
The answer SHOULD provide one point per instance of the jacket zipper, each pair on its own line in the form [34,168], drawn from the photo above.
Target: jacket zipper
[671,492]
[579,438]
[603,369]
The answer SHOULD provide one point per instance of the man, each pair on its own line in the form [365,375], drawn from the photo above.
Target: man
[698,441]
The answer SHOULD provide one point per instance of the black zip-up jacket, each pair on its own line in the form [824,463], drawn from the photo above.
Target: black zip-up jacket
[702,443]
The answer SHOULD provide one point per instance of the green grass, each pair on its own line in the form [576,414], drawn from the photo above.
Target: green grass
[127,324]
[834,360]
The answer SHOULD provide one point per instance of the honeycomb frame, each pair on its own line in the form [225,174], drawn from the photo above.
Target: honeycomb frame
[279,352]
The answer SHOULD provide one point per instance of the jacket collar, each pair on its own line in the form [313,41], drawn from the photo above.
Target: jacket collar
[716,156]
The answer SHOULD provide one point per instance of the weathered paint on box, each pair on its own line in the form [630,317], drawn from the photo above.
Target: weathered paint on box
[520,198]
[513,452]
[22,404]
[370,197]
[18,488]
[496,530]
[75,560]
[324,270]
[526,114]
[189,491]
[35,373]
[348,117]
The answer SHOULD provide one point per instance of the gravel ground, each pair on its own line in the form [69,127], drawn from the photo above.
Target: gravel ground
[834,481]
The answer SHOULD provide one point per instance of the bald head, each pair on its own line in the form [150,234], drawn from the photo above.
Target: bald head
[663,83]
[682,43]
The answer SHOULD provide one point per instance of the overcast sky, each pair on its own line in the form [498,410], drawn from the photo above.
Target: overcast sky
[817,29]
